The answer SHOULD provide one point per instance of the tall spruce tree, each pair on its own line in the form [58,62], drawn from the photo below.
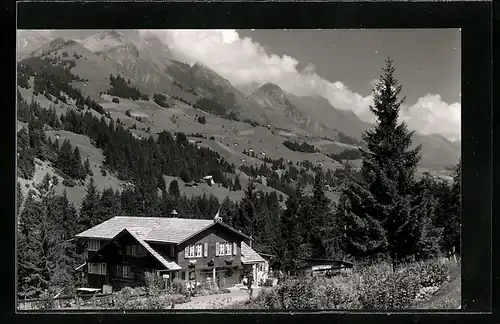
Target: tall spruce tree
[380,211]
[291,231]
[89,211]
[320,220]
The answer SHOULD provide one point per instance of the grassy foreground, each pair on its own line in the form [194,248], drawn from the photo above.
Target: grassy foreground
[422,285]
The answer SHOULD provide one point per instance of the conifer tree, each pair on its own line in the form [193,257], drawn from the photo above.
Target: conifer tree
[247,213]
[237,184]
[109,205]
[173,189]
[30,281]
[89,211]
[77,169]
[320,218]
[291,232]
[88,170]
[380,212]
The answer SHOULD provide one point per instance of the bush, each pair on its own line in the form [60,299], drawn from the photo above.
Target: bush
[179,287]
[202,120]
[69,182]
[115,100]
[369,287]
[380,288]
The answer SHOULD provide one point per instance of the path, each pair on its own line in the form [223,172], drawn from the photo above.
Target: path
[216,301]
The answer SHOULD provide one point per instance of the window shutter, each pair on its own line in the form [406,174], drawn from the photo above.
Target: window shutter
[186,250]
[205,250]
[88,268]
[127,250]
[103,268]
[235,248]
[216,248]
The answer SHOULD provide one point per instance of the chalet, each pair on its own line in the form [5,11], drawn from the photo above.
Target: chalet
[122,249]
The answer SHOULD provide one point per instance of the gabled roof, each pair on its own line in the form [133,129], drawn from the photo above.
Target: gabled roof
[158,229]
[138,234]
[169,264]
[249,256]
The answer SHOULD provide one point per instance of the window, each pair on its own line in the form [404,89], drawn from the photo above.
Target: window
[124,271]
[228,248]
[94,245]
[97,268]
[191,251]
[221,248]
[172,251]
[199,249]
[135,250]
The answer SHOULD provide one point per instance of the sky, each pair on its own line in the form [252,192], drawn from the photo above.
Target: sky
[340,65]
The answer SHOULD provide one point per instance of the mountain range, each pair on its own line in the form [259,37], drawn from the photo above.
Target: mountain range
[152,67]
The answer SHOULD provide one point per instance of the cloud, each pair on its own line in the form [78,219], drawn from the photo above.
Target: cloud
[243,61]
[431,115]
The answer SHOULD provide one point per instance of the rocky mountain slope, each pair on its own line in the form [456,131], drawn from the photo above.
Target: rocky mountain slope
[150,66]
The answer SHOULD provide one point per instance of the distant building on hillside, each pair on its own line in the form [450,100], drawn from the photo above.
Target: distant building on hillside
[122,249]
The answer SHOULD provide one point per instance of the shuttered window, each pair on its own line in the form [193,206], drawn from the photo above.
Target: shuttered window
[228,248]
[221,248]
[199,250]
[205,250]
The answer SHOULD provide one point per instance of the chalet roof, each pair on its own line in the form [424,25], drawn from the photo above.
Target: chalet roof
[139,233]
[248,255]
[153,229]
[139,236]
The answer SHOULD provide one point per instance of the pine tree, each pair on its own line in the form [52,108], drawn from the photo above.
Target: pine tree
[33,274]
[89,211]
[237,185]
[173,189]
[247,213]
[109,205]
[78,170]
[380,212]
[88,170]
[320,218]
[65,158]
[291,231]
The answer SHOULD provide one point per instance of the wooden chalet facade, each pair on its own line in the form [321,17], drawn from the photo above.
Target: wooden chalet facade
[122,249]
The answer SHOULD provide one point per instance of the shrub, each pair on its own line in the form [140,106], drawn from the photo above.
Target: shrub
[69,182]
[379,288]
[179,287]
[115,100]
[202,120]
